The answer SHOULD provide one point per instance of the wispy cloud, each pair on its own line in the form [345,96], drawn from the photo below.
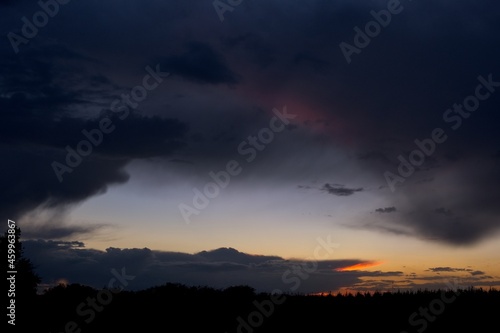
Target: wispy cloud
[340,190]
[454,269]
[386,210]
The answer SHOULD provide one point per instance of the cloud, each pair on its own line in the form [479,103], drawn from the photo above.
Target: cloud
[7,2]
[386,210]
[200,63]
[443,211]
[233,255]
[359,266]
[340,190]
[468,216]
[43,223]
[60,232]
[425,180]
[219,268]
[452,269]
[374,155]
[365,114]
[44,113]
[447,269]
[311,61]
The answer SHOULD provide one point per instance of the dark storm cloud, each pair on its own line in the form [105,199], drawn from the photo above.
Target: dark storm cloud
[340,190]
[443,211]
[218,268]
[374,155]
[386,210]
[304,59]
[394,91]
[45,107]
[425,180]
[469,216]
[201,64]
[400,111]
[7,2]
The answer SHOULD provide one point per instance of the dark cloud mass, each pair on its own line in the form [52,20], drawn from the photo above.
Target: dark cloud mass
[340,190]
[453,270]
[220,268]
[386,210]
[201,64]
[44,108]
[365,116]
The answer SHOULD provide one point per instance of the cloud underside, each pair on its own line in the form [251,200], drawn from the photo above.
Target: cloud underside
[340,190]
[224,267]
[454,269]
[354,121]
[219,268]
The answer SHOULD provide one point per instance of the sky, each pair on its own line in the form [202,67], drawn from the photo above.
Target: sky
[302,146]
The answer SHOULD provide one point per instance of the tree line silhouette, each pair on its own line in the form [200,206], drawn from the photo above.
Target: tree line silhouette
[172,307]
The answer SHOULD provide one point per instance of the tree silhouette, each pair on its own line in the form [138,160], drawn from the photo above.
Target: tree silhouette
[25,280]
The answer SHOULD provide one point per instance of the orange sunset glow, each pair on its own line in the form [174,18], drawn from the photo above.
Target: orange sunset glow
[360,266]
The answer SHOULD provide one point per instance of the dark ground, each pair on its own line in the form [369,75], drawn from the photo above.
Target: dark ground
[240,309]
